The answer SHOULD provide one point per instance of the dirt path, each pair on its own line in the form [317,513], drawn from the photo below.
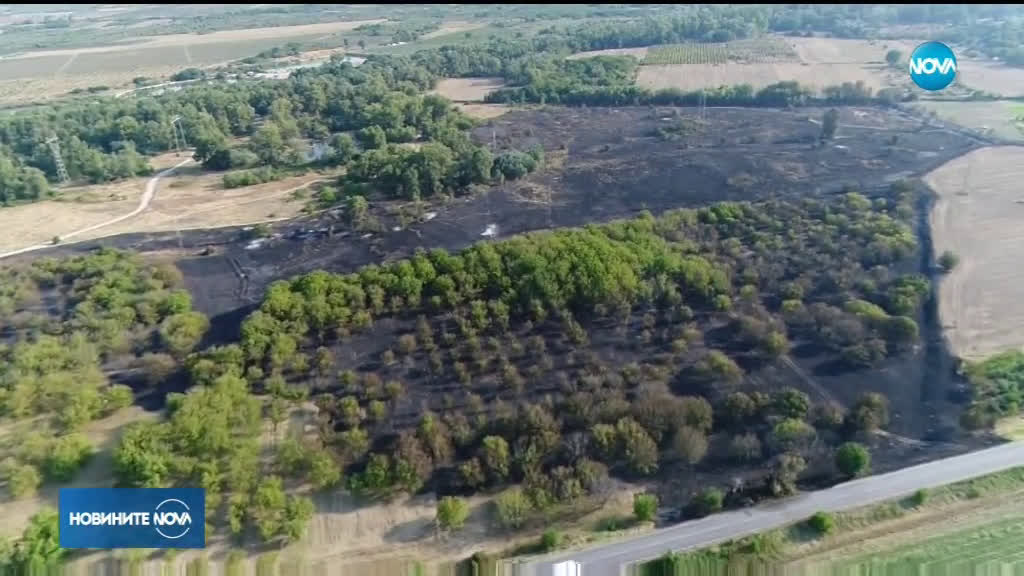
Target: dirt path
[147,197]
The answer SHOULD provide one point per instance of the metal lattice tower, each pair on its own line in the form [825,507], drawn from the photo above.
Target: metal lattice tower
[176,128]
[62,170]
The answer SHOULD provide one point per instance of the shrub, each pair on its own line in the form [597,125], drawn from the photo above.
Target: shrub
[452,513]
[708,501]
[645,506]
[512,507]
[948,261]
[822,523]
[919,498]
[22,481]
[853,459]
[550,540]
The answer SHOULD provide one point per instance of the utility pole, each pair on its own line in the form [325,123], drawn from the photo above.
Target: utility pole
[62,171]
[702,109]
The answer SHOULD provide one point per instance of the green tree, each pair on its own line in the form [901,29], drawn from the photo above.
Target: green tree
[495,457]
[451,513]
[853,459]
[645,506]
[512,508]
[67,456]
[638,449]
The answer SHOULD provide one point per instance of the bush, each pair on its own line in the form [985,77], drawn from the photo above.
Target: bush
[68,454]
[252,177]
[512,508]
[22,481]
[708,501]
[452,513]
[853,459]
[919,498]
[948,261]
[550,540]
[822,523]
[645,506]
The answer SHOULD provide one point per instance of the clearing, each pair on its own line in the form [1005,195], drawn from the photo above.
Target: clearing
[817,62]
[979,215]
[453,27]
[998,118]
[468,89]
[187,200]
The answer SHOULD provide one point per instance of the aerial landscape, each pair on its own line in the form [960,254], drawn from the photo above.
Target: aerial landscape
[517,290]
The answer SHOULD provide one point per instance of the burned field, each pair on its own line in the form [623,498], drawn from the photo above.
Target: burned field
[819,303]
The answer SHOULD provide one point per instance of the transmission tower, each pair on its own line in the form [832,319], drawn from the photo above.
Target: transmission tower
[62,171]
[176,128]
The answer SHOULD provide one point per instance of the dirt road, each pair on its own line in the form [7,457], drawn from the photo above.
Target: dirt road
[147,197]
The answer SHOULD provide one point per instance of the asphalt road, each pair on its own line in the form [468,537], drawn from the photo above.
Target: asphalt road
[147,197]
[613,558]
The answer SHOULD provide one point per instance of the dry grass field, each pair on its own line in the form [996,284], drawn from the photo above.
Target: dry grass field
[467,89]
[182,202]
[638,53]
[991,77]
[815,62]
[40,75]
[483,111]
[453,27]
[998,118]
[979,215]
[689,77]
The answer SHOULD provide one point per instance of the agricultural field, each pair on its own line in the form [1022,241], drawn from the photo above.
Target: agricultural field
[971,527]
[999,118]
[817,62]
[977,215]
[755,51]
[467,89]
[42,75]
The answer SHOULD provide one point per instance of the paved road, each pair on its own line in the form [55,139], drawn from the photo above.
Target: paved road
[147,197]
[613,559]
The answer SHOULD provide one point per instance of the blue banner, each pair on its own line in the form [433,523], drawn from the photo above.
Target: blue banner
[132,517]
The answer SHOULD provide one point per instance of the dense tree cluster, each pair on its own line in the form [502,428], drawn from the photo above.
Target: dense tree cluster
[997,389]
[104,305]
[822,273]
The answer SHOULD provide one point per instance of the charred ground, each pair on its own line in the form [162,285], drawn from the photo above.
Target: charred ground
[608,163]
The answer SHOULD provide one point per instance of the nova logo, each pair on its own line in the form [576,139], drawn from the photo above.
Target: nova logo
[132,518]
[172,519]
[932,66]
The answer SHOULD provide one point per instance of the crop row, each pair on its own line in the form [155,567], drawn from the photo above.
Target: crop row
[752,51]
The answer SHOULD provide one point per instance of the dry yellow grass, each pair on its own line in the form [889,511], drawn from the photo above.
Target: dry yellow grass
[990,77]
[998,117]
[182,202]
[483,111]
[637,53]
[46,74]
[979,215]
[689,77]
[453,27]
[822,62]
[467,89]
